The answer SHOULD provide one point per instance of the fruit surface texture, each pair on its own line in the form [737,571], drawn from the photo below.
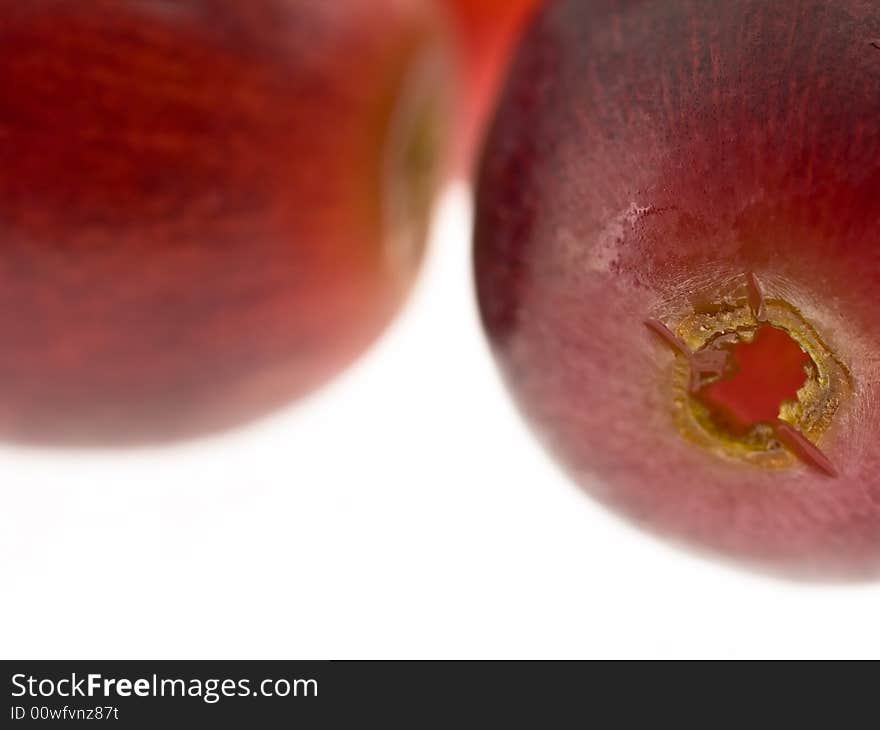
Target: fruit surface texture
[207,207]
[712,171]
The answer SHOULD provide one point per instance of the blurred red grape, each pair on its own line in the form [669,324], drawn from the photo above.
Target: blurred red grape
[207,207]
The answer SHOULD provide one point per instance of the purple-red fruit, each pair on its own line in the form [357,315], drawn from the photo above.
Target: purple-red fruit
[487,33]
[712,171]
[207,207]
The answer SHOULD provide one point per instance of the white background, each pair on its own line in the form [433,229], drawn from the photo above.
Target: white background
[403,512]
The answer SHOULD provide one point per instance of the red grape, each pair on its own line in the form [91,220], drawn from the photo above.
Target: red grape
[207,207]
[712,170]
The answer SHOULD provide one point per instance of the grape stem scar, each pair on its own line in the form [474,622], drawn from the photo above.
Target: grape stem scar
[714,363]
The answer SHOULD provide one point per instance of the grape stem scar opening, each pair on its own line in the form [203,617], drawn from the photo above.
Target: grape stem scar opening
[714,363]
